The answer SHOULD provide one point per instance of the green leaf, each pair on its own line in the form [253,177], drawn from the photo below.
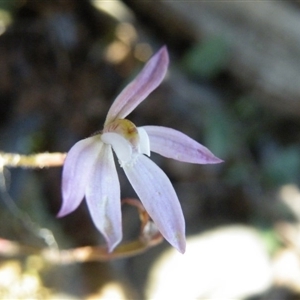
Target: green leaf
[208,58]
[282,165]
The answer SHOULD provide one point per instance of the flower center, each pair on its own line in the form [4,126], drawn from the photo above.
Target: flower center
[125,128]
[127,140]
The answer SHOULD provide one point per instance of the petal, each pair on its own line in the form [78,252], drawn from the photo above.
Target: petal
[174,144]
[103,198]
[158,196]
[144,141]
[135,92]
[76,172]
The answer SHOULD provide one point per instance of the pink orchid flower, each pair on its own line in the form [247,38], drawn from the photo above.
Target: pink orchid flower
[89,169]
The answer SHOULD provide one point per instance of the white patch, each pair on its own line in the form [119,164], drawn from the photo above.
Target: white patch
[121,146]
[144,142]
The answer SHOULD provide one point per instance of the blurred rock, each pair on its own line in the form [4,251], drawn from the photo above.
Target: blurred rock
[225,263]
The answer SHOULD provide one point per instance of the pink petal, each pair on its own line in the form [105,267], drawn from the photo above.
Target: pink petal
[103,198]
[134,93]
[76,172]
[158,196]
[174,144]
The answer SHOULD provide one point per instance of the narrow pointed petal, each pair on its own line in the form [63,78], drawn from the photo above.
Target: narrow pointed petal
[158,196]
[174,144]
[135,92]
[76,172]
[103,198]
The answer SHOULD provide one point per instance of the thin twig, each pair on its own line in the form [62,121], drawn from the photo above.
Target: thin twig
[81,254]
[149,237]
[40,160]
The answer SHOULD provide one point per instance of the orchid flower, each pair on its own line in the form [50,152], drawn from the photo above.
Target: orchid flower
[89,169]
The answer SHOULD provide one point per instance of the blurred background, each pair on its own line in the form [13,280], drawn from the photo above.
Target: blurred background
[233,85]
